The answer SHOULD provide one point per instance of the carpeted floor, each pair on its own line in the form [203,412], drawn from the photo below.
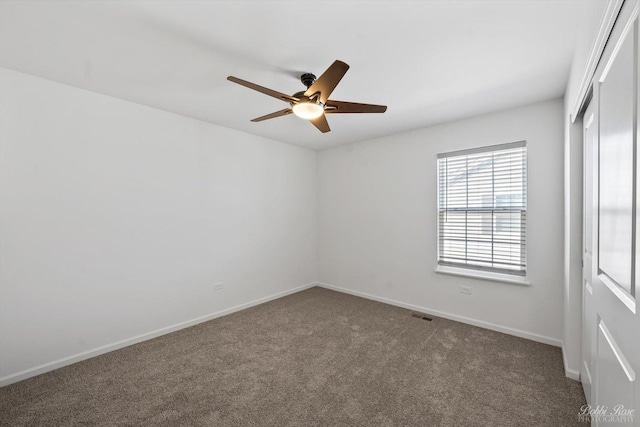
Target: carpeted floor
[317,357]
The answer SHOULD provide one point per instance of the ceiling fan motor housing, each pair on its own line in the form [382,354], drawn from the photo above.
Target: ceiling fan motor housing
[307,79]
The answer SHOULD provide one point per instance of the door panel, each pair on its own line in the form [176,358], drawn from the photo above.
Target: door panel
[588,318]
[616,165]
[588,314]
[616,377]
[611,324]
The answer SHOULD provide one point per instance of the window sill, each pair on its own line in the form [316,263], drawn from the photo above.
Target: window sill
[483,275]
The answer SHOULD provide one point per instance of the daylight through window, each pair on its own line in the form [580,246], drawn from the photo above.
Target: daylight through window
[482,208]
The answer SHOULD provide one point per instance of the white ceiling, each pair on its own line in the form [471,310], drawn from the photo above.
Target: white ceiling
[429,61]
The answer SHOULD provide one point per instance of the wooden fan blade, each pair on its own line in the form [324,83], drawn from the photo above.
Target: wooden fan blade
[327,82]
[273,115]
[352,107]
[321,123]
[279,95]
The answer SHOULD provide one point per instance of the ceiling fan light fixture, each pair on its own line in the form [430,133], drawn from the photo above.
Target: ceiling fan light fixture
[313,104]
[308,110]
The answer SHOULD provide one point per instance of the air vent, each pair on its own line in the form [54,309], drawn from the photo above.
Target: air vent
[421,316]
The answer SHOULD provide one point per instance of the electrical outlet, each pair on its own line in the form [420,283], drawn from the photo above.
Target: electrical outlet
[465,290]
[218,286]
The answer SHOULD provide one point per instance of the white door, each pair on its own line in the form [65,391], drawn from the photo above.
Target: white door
[590,138]
[611,316]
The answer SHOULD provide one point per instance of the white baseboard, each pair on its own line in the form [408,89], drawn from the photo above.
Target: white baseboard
[462,319]
[569,373]
[50,366]
[32,372]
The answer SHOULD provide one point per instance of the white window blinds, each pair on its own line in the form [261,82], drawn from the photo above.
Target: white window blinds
[482,208]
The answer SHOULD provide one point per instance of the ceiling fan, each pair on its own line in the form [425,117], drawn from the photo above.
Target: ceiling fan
[314,103]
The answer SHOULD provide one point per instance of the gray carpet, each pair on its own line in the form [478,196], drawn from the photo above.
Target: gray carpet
[317,357]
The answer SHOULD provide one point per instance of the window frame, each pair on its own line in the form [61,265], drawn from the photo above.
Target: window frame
[517,276]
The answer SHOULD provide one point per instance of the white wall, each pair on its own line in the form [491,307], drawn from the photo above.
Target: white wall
[377,215]
[116,220]
[591,19]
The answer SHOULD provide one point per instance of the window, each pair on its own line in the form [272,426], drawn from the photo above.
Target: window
[482,208]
